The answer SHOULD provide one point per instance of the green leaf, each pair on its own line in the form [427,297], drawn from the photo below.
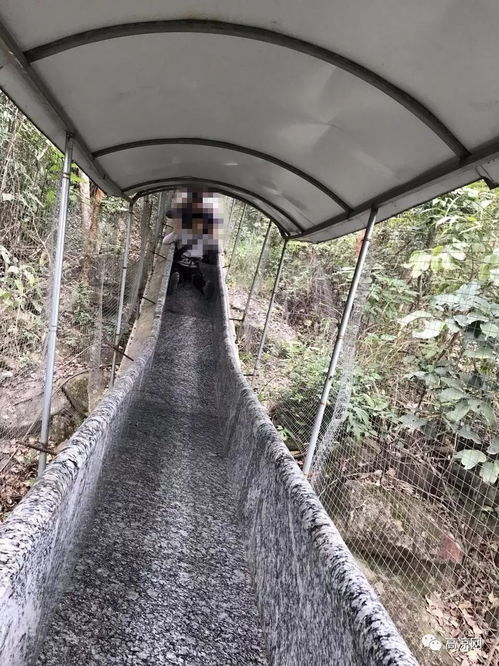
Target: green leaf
[489,266]
[473,379]
[489,471]
[452,395]
[494,275]
[466,433]
[431,380]
[5,255]
[450,381]
[436,263]
[418,314]
[412,422]
[463,299]
[488,413]
[447,262]
[490,330]
[459,411]
[432,329]
[446,299]
[470,458]
[465,319]
[493,448]
[458,255]
[469,289]
[420,263]
[452,325]
[481,352]
[419,374]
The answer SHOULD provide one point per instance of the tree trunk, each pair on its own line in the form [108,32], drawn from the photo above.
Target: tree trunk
[91,201]
[92,276]
[359,239]
[95,385]
[142,266]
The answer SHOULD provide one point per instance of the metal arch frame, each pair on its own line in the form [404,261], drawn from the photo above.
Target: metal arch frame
[226,145]
[284,232]
[19,61]
[222,187]
[204,26]
[485,153]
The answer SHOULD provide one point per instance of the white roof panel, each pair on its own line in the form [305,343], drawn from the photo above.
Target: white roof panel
[133,169]
[325,107]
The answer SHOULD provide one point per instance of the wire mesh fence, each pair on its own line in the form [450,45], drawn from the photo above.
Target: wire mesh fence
[407,460]
[92,270]
[27,206]
[252,252]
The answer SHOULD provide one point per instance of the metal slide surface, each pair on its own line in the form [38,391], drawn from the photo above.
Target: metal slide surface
[162,576]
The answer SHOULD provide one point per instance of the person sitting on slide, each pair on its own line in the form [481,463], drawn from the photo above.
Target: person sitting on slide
[192,244]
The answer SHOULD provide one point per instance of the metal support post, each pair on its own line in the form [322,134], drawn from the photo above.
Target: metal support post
[161,217]
[119,317]
[231,210]
[239,227]
[54,304]
[338,344]
[271,305]
[253,283]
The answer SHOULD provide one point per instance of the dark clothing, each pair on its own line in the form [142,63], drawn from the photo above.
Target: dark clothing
[184,263]
[187,215]
[190,273]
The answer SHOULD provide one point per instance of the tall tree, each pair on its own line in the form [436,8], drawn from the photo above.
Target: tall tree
[91,198]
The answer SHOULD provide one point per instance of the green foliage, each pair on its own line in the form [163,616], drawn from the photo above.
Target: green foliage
[306,372]
[427,355]
[458,328]
[369,408]
[20,303]
[83,313]
[27,182]
[461,323]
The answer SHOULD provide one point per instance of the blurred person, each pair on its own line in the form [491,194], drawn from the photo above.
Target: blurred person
[195,235]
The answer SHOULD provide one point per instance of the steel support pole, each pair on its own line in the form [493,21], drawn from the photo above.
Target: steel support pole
[121,301]
[239,227]
[231,210]
[338,344]
[253,283]
[161,217]
[55,299]
[269,311]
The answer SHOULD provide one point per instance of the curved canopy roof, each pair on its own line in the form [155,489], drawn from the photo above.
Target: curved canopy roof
[312,110]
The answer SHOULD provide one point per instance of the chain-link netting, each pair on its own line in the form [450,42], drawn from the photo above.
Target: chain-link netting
[29,176]
[407,459]
[252,251]
[409,474]
[89,300]
[92,268]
